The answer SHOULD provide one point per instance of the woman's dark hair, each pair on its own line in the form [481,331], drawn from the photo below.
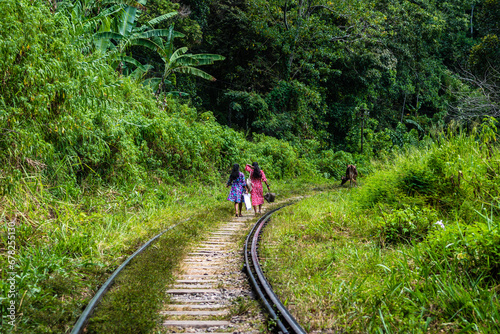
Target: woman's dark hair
[256,171]
[234,173]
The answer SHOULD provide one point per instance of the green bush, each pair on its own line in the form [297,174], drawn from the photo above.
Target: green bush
[472,249]
[380,187]
[418,181]
[455,172]
[333,164]
[404,225]
[278,158]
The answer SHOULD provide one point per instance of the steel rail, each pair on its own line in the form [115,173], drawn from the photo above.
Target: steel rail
[278,312]
[253,281]
[84,317]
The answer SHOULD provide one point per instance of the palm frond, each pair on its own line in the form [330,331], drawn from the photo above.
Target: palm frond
[194,71]
[162,33]
[178,53]
[161,18]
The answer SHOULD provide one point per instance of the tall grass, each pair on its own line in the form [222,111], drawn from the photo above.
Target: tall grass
[328,262]
[65,249]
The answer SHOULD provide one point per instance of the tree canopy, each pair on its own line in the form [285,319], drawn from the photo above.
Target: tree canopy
[381,62]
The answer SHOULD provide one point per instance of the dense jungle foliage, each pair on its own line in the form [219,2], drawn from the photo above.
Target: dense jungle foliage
[326,78]
[120,117]
[351,75]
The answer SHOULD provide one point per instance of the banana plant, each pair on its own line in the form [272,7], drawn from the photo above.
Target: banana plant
[115,31]
[85,17]
[121,33]
[179,61]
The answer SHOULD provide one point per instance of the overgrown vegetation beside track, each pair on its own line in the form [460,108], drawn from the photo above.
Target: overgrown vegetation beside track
[132,305]
[414,249]
[67,249]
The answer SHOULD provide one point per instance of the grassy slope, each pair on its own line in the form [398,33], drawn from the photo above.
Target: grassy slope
[67,249]
[372,259]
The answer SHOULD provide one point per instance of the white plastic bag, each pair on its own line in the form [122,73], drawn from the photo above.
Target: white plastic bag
[248,201]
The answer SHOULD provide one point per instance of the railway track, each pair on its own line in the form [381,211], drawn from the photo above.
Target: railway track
[210,284]
[285,322]
[212,294]
[212,280]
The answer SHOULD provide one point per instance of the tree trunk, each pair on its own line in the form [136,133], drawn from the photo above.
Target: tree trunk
[362,130]
[403,110]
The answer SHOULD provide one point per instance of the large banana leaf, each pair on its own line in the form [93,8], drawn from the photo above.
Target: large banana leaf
[194,71]
[130,60]
[196,60]
[168,44]
[186,61]
[126,20]
[177,54]
[108,35]
[204,59]
[161,18]
[131,66]
[144,42]
[103,44]
[162,33]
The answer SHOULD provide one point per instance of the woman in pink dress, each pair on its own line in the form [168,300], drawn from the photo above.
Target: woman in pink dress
[257,176]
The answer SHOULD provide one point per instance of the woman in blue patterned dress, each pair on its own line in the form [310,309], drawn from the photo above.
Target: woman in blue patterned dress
[238,185]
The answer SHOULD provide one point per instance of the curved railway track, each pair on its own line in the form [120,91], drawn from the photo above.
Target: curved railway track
[210,282]
[94,302]
[284,320]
